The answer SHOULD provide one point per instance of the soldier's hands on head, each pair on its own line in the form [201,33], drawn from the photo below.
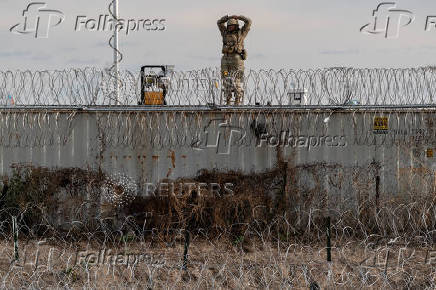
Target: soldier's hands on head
[224,18]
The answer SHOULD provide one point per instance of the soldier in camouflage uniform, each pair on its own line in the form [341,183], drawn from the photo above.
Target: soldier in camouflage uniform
[234,54]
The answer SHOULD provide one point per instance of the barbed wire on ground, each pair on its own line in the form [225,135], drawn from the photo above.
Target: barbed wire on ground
[253,246]
[242,242]
[320,87]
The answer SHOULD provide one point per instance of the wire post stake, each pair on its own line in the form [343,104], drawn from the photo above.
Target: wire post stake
[15,233]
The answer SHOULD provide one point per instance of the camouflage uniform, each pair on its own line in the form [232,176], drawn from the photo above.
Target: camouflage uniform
[232,64]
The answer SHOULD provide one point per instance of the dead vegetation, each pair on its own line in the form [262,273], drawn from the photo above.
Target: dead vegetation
[198,208]
[263,233]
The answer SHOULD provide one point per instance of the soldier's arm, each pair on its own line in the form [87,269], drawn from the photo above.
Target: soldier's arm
[247,25]
[221,24]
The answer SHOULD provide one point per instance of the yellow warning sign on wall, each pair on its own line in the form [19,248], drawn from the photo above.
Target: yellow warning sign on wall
[381,125]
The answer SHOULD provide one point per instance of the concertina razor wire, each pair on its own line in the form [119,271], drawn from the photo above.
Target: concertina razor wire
[196,129]
[318,87]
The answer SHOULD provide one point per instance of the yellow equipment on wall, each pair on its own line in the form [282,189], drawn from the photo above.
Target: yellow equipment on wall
[153,86]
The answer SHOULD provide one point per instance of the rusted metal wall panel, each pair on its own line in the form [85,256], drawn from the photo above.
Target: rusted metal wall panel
[334,152]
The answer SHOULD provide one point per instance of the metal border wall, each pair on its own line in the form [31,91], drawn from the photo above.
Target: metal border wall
[334,149]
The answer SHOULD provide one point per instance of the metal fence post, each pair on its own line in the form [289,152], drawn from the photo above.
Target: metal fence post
[15,233]
[329,244]
[185,253]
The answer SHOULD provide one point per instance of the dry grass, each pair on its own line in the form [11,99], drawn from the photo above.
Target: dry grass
[268,234]
[218,264]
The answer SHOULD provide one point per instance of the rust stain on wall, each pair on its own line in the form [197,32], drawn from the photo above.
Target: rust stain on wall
[173,158]
[170,170]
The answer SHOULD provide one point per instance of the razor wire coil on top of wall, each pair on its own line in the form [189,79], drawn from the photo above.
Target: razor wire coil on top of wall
[335,86]
[199,130]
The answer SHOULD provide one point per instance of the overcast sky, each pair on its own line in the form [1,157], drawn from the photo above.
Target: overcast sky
[297,34]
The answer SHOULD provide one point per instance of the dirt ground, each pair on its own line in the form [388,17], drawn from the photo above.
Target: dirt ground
[267,234]
[219,264]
